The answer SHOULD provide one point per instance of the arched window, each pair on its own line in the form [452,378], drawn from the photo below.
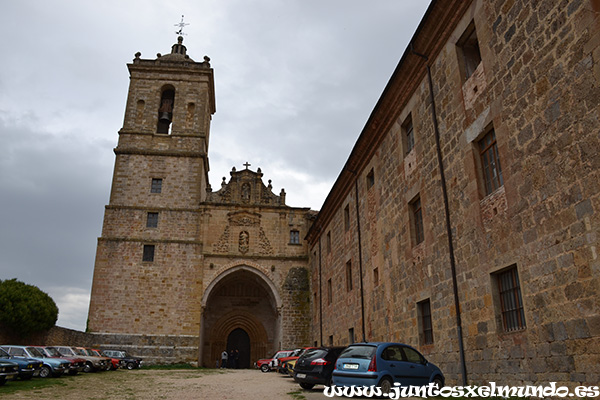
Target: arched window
[165,110]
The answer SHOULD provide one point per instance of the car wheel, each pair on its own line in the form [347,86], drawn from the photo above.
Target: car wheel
[45,372]
[265,368]
[88,367]
[130,365]
[438,381]
[386,386]
[307,386]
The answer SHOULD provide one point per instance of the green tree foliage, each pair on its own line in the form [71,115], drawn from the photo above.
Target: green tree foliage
[25,309]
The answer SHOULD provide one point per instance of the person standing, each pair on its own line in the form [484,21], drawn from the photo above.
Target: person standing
[224,359]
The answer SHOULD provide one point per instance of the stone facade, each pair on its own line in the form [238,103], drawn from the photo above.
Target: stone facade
[537,88]
[183,272]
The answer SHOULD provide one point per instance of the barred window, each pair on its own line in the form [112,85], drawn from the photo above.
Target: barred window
[417,220]
[152,220]
[424,310]
[156,186]
[511,302]
[409,134]
[148,253]
[490,162]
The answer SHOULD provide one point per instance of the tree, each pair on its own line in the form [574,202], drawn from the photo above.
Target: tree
[25,309]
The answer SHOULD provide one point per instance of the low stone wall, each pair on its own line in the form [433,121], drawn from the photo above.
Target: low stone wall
[159,349]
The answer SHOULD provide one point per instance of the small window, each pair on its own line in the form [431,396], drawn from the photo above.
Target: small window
[469,49]
[376,277]
[294,237]
[370,179]
[330,340]
[490,162]
[148,253]
[350,335]
[510,300]
[408,134]
[329,292]
[156,186]
[152,220]
[349,276]
[417,220]
[424,311]
[347,218]
[328,243]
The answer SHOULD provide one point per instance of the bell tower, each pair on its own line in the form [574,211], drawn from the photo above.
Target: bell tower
[150,239]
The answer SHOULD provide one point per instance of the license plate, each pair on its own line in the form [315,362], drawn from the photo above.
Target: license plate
[300,376]
[350,366]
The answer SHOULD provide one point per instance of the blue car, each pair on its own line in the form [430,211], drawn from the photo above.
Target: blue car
[382,365]
[27,367]
[50,366]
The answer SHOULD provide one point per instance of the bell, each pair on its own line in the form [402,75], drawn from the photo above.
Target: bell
[165,117]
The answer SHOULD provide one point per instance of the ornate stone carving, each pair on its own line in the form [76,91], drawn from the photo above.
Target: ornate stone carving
[244,242]
[222,246]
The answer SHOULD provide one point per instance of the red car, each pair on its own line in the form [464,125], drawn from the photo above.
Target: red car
[77,363]
[294,356]
[266,364]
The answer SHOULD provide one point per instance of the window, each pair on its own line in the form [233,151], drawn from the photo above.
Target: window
[329,292]
[156,186]
[347,218]
[417,220]
[424,311]
[152,220]
[370,179]
[350,335]
[349,276]
[294,237]
[510,301]
[376,277]
[330,340]
[469,50]
[148,253]
[165,110]
[490,162]
[408,134]
[328,243]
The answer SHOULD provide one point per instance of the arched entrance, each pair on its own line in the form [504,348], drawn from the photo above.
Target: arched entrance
[240,310]
[239,341]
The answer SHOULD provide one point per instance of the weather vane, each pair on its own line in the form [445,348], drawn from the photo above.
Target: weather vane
[181,25]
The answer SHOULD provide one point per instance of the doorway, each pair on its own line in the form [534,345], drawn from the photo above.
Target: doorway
[239,340]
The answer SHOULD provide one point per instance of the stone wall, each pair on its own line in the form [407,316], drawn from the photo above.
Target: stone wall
[538,88]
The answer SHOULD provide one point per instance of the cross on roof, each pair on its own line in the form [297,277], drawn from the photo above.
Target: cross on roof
[247,164]
[181,25]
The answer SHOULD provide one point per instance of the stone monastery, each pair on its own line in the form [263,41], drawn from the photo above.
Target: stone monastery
[465,221]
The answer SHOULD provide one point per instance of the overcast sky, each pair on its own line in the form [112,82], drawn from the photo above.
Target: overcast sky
[295,83]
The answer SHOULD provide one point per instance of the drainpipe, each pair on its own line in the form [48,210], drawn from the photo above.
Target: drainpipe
[320,298]
[461,349]
[360,265]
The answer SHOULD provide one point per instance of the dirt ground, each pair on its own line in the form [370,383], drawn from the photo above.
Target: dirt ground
[171,384]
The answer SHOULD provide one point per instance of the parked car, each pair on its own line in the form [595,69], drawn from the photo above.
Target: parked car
[363,364]
[114,363]
[288,366]
[27,368]
[92,353]
[294,356]
[51,366]
[91,363]
[266,364]
[315,366]
[127,361]
[8,370]
[77,363]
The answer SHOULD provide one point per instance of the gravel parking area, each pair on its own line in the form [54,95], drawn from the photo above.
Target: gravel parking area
[171,384]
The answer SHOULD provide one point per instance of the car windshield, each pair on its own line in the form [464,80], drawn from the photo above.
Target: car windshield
[53,352]
[314,353]
[35,352]
[81,352]
[366,352]
[67,351]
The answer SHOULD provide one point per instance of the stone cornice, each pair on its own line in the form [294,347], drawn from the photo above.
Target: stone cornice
[164,153]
